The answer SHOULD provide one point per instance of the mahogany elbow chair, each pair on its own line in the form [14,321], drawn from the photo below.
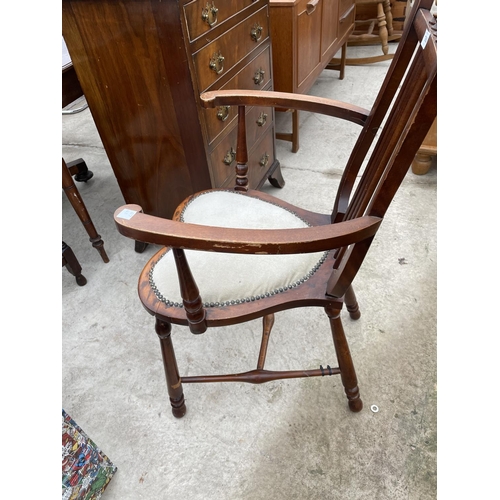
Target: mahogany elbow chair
[297,258]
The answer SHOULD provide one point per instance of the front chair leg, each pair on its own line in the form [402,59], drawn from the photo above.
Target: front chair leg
[174,384]
[347,372]
[352,303]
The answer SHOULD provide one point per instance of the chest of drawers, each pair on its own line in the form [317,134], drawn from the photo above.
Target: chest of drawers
[142,65]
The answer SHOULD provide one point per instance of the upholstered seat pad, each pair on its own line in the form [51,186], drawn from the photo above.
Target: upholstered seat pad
[225,278]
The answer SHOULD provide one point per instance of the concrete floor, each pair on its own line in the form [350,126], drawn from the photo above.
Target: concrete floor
[282,440]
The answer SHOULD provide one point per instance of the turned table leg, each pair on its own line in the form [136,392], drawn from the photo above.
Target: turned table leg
[81,210]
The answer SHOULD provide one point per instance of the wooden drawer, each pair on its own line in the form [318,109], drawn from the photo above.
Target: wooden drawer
[203,15]
[256,75]
[218,57]
[261,158]
[345,6]
[258,121]
[347,14]
[223,160]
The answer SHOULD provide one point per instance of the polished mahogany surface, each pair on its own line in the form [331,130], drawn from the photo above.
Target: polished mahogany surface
[142,66]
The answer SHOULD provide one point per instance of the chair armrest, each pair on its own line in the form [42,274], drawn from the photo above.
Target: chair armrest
[151,229]
[285,100]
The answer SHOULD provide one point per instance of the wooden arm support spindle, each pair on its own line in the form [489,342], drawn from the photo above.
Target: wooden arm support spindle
[241,183]
[190,294]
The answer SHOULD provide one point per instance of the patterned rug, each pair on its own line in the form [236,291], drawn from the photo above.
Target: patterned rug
[86,470]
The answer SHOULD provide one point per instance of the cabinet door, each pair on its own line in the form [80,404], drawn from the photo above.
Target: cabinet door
[308,38]
[329,31]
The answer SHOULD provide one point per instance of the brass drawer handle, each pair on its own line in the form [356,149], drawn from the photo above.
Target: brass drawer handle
[223,113]
[230,156]
[256,32]
[311,6]
[217,63]
[209,14]
[264,160]
[258,77]
[261,120]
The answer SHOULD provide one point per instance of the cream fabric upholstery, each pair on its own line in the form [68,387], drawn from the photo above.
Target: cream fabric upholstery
[223,278]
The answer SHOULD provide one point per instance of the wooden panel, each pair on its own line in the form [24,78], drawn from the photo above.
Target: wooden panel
[258,120]
[256,166]
[129,104]
[233,46]
[308,28]
[223,170]
[346,21]
[195,10]
[283,28]
[329,28]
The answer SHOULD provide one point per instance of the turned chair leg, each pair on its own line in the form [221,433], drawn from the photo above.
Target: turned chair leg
[388,17]
[352,303]
[174,384]
[382,28]
[347,372]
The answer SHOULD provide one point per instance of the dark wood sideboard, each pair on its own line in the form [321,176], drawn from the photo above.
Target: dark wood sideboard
[142,65]
[306,34]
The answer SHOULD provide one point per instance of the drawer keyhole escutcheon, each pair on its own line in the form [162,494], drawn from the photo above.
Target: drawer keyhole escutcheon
[261,120]
[223,113]
[230,156]
[258,77]
[256,32]
[264,160]
[209,14]
[217,63]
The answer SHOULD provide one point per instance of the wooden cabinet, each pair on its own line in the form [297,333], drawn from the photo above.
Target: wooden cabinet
[306,34]
[142,65]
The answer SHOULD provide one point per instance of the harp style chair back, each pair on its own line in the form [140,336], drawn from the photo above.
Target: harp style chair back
[231,256]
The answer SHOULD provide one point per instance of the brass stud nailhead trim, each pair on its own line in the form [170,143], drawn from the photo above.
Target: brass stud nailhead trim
[270,293]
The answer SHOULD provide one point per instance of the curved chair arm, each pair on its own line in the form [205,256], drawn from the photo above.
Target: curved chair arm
[132,223]
[285,100]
